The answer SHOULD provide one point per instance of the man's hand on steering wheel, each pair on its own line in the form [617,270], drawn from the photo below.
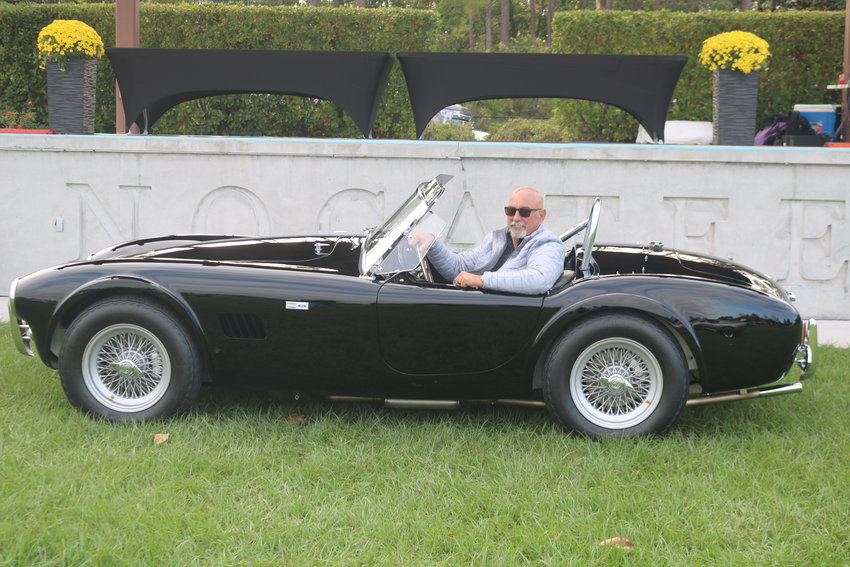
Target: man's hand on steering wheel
[467,280]
[420,240]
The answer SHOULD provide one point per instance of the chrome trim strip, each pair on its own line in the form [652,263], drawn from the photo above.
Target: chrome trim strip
[766,392]
[21,333]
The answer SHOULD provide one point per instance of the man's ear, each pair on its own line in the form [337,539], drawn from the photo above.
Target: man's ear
[542,215]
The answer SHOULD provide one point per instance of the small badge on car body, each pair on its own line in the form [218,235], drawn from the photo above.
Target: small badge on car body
[299,305]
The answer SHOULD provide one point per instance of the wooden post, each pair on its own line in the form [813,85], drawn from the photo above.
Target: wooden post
[126,35]
[845,123]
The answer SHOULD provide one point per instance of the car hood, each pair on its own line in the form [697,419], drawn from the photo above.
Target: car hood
[337,253]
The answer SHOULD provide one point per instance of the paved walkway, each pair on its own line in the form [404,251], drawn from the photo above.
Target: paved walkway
[835,333]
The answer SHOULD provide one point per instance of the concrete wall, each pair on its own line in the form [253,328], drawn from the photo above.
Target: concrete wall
[783,211]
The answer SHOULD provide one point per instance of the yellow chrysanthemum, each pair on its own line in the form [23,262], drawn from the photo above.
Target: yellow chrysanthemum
[735,50]
[63,39]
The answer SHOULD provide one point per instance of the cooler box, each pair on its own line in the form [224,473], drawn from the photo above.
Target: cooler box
[820,116]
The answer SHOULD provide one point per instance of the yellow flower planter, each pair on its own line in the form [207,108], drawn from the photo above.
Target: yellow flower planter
[69,50]
[735,59]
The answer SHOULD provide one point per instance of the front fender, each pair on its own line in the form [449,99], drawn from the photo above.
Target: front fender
[109,286]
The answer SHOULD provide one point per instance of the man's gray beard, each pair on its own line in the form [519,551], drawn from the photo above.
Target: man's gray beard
[518,230]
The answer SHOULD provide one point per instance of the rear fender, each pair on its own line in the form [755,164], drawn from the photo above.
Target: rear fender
[71,306]
[567,317]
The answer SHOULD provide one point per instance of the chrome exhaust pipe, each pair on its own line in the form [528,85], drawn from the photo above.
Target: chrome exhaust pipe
[350,399]
[433,404]
[507,402]
[794,388]
[422,404]
[399,403]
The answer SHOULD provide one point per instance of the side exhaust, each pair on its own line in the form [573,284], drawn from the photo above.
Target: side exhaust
[766,392]
[422,404]
[433,404]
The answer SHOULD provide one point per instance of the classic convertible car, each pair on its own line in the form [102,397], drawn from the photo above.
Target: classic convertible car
[625,339]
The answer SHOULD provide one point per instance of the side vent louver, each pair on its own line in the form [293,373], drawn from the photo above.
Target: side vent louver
[242,326]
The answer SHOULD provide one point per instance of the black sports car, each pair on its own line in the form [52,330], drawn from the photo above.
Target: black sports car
[625,339]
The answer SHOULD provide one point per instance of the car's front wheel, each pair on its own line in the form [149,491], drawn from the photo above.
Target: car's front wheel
[129,359]
[616,375]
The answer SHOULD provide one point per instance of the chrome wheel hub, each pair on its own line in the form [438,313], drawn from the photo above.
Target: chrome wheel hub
[125,368]
[616,383]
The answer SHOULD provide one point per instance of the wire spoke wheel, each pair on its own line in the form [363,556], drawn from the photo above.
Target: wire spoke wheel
[616,374]
[616,383]
[126,368]
[130,358]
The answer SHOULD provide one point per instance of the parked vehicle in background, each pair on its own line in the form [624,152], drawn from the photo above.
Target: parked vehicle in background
[454,114]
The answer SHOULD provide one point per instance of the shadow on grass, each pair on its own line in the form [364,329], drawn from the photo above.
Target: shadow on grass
[225,403]
[741,418]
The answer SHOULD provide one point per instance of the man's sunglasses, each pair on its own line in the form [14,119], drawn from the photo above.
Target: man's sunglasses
[524,212]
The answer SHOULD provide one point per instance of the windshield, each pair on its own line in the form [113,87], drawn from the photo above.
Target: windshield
[384,248]
[409,251]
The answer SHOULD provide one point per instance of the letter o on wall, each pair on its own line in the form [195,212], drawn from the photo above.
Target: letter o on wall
[351,210]
[231,210]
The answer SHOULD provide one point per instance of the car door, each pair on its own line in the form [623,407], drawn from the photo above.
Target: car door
[279,328]
[440,329]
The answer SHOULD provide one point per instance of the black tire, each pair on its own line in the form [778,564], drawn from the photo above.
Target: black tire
[129,359]
[616,375]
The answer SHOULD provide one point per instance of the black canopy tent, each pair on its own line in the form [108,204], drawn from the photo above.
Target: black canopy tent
[642,85]
[153,80]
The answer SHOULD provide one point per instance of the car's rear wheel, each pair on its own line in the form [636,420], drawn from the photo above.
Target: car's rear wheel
[129,359]
[616,375]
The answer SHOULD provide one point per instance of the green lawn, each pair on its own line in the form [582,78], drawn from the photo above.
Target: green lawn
[762,482]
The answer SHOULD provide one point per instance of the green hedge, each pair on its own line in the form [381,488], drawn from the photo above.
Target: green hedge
[228,26]
[806,46]
[806,50]
[528,130]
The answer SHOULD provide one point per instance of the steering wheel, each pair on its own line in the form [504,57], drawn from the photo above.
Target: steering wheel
[408,255]
[590,238]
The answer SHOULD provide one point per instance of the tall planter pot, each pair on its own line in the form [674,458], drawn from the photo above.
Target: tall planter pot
[71,96]
[735,100]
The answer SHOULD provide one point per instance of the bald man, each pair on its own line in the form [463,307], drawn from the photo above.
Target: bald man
[524,257]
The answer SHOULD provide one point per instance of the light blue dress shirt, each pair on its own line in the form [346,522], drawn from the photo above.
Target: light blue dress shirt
[532,268]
